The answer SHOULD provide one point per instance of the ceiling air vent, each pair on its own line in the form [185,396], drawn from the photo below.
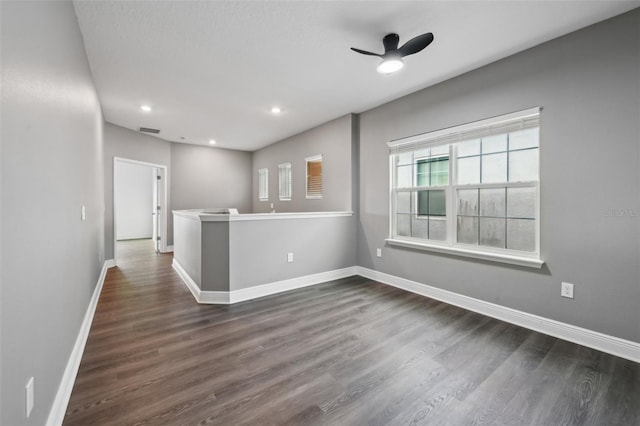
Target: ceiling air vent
[148,130]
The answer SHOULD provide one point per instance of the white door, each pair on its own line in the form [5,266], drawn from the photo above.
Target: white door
[155,209]
[160,217]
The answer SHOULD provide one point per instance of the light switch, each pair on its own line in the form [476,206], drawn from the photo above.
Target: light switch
[289,257]
[83,213]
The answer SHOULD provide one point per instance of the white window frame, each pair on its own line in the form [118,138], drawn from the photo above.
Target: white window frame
[450,136]
[263,183]
[284,182]
[308,160]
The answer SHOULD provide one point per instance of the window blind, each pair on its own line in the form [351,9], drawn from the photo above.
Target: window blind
[478,129]
[263,184]
[284,181]
[314,177]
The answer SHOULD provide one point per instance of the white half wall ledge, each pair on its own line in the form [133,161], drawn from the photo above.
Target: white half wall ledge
[61,401]
[603,342]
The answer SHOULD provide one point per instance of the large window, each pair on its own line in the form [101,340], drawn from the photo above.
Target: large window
[314,176]
[263,184]
[471,189]
[284,181]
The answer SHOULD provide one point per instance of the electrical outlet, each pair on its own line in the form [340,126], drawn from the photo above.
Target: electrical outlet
[29,396]
[289,257]
[566,290]
[379,252]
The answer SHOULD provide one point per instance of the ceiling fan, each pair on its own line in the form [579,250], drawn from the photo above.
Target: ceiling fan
[392,56]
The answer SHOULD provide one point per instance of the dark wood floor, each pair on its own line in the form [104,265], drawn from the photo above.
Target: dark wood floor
[348,352]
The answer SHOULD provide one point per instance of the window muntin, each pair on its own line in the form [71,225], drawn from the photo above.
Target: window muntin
[475,189]
[314,176]
[263,184]
[284,182]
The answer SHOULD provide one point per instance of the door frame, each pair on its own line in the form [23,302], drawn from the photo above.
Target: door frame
[162,218]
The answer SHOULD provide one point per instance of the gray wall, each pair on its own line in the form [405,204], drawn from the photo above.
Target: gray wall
[51,166]
[125,143]
[187,247]
[334,141]
[318,245]
[198,176]
[588,83]
[215,256]
[204,177]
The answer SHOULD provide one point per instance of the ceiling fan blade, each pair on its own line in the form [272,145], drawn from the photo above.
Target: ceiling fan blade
[364,52]
[390,42]
[416,44]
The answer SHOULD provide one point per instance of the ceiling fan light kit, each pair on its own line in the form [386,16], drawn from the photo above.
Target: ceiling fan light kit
[390,65]
[392,56]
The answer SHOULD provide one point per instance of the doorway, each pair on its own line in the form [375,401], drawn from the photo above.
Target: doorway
[139,204]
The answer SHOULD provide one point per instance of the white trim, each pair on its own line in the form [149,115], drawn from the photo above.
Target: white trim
[61,400]
[214,297]
[530,262]
[263,172]
[451,245]
[582,336]
[290,284]
[313,158]
[491,121]
[144,236]
[164,206]
[235,296]
[203,216]
[168,249]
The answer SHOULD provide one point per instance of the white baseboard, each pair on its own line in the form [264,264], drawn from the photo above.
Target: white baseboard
[61,401]
[290,284]
[206,297]
[235,296]
[582,336]
[168,249]
[134,237]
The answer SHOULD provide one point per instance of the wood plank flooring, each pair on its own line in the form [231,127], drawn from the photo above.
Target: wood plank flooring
[347,352]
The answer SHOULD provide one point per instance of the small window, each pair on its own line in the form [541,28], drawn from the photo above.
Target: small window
[284,181]
[263,184]
[314,176]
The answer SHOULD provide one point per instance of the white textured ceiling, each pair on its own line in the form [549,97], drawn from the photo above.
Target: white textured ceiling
[213,69]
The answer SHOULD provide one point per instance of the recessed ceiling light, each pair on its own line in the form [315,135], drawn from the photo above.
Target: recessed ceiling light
[145,108]
[276,110]
[212,141]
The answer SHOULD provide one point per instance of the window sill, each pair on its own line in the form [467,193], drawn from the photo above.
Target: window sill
[494,257]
